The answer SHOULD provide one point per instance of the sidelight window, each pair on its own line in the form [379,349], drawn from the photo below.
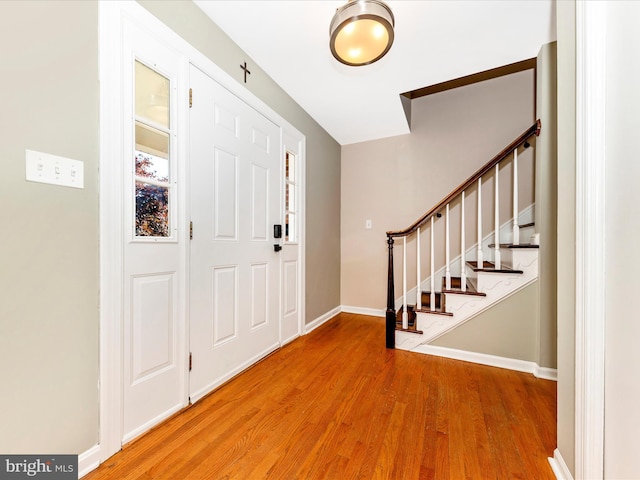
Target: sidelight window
[152,158]
[291,194]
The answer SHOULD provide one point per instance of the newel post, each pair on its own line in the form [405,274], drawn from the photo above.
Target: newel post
[391,308]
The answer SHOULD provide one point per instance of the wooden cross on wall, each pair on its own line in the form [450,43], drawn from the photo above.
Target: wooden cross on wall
[246,71]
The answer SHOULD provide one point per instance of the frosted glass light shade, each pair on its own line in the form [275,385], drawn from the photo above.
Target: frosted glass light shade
[361,32]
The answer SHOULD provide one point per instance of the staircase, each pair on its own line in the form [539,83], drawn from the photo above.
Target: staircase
[481,276]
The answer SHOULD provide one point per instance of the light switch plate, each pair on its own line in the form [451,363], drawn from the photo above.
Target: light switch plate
[47,168]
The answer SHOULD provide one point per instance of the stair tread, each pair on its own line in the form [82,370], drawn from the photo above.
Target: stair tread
[511,245]
[471,290]
[456,287]
[491,268]
[435,312]
[411,320]
[525,225]
[409,330]
[426,300]
[458,291]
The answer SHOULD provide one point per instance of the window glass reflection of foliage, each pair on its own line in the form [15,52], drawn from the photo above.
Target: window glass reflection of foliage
[149,166]
[152,201]
[152,210]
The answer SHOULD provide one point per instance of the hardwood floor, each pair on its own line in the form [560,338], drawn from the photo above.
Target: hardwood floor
[335,404]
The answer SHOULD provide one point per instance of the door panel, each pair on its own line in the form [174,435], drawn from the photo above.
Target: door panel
[259,294]
[235,200]
[225,202]
[259,202]
[225,305]
[153,324]
[290,284]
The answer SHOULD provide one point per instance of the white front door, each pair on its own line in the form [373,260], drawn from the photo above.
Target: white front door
[235,200]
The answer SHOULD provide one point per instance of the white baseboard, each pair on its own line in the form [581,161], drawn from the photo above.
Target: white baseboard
[546,373]
[373,312]
[560,469]
[88,461]
[321,319]
[490,360]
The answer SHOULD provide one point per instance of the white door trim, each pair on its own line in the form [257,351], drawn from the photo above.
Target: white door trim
[112,15]
[111,229]
[590,239]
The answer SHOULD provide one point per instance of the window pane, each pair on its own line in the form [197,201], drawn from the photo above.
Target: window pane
[152,140]
[291,198]
[286,197]
[150,166]
[152,210]
[290,228]
[152,153]
[290,173]
[286,227]
[152,95]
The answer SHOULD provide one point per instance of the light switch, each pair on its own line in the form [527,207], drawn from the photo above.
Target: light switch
[45,168]
[368,225]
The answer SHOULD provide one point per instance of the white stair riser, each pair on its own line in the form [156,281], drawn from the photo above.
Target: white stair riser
[525,259]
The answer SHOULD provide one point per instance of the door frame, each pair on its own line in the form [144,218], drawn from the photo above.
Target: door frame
[590,276]
[112,16]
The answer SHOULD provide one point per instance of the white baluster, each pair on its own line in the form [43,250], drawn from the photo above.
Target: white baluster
[479,255]
[516,224]
[418,275]
[463,274]
[496,252]
[405,316]
[447,270]
[432,297]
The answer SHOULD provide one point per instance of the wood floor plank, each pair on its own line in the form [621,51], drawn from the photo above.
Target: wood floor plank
[336,404]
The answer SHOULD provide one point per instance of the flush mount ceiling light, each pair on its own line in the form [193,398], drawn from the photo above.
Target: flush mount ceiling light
[361,32]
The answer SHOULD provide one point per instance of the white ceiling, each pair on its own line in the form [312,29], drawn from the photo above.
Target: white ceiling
[435,41]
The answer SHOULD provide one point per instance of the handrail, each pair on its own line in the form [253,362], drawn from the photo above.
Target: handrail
[533,130]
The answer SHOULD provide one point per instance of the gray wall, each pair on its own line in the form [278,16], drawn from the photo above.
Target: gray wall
[546,201]
[49,261]
[49,256]
[566,229]
[322,157]
[508,329]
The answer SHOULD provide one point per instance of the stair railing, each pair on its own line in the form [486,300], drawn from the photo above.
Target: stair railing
[475,179]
